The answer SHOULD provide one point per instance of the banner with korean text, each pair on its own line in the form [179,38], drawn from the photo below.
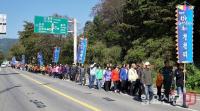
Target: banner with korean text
[82,50]
[40,58]
[184,31]
[13,61]
[23,59]
[56,54]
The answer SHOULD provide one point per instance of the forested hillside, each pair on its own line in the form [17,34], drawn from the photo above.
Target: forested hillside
[136,30]
[6,44]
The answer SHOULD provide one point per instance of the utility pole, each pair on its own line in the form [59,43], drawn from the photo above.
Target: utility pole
[75,41]
[75,38]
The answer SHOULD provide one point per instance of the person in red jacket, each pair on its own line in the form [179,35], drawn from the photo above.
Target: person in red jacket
[115,78]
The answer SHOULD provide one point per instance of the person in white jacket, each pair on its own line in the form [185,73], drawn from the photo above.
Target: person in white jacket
[92,75]
[132,77]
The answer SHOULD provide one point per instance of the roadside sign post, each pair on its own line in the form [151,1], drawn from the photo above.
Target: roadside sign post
[75,38]
[75,41]
[53,25]
[3,24]
[50,25]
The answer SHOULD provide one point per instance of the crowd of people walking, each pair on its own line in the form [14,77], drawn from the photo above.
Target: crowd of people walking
[133,79]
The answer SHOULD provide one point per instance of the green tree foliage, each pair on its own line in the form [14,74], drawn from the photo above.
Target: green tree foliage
[1,57]
[66,55]
[17,50]
[139,27]
[151,49]
[193,77]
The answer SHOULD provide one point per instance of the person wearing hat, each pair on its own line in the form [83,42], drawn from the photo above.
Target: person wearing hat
[148,81]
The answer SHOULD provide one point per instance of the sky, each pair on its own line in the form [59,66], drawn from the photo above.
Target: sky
[19,11]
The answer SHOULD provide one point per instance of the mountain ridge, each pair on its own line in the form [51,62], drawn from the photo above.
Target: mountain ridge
[6,44]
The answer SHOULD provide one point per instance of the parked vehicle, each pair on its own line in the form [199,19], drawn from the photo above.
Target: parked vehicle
[3,65]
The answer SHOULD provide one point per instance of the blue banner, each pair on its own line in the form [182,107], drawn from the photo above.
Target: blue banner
[185,33]
[56,54]
[82,50]
[23,59]
[40,59]
[13,62]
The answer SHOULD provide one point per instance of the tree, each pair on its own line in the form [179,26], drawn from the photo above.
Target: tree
[132,20]
[17,50]
[196,38]
[1,57]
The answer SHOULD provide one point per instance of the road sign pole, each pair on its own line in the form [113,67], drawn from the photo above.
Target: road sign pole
[75,41]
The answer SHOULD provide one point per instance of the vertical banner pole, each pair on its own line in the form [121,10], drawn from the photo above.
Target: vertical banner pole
[184,87]
[75,42]
[184,31]
[184,71]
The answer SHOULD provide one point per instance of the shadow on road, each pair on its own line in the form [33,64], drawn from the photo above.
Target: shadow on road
[8,74]
[46,84]
[8,89]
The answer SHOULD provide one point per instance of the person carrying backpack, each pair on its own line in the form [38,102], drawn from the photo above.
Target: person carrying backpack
[159,83]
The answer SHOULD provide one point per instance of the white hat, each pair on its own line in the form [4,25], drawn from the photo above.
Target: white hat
[146,63]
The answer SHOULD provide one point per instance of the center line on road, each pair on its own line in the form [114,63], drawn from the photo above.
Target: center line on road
[64,95]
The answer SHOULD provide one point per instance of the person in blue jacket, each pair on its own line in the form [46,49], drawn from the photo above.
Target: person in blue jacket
[124,78]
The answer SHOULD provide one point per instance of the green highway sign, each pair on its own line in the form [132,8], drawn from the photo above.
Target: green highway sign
[50,25]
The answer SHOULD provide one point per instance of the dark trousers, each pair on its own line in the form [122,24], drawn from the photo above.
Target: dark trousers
[72,77]
[167,89]
[107,85]
[159,91]
[132,88]
[55,75]
[60,76]
[138,88]
[124,86]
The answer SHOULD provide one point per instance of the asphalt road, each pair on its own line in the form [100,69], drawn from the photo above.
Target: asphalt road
[24,91]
